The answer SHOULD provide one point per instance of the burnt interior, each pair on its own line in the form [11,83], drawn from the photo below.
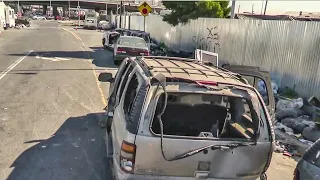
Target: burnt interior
[222,116]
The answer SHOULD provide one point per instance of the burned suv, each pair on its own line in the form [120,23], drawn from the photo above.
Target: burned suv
[174,118]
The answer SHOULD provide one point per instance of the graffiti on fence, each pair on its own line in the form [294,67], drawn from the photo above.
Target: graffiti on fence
[209,43]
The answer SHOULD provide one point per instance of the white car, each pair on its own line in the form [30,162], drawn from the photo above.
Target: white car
[38,17]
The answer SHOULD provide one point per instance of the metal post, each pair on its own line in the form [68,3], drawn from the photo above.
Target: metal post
[106,8]
[120,14]
[261,7]
[233,6]
[252,9]
[265,7]
[18,6]
[124,13]
[79,13]
[69,9]
[144,23]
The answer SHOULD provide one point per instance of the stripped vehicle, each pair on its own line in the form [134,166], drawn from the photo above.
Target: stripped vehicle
[110,37]
[129,46]
[173,118]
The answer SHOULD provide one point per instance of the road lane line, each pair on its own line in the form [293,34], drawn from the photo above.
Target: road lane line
[103,98]
[5,72]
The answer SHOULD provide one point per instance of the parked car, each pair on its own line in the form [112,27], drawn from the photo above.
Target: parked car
[129,46]
[57,17]
[50,17]
[176,118]
[309,165]
[38,17]
[109,39]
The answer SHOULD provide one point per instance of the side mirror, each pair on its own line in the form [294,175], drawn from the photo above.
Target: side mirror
[105,77]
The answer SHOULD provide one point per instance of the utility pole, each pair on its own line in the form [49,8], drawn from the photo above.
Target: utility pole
[120,14]
[233,6]
[265,7]
[79,13]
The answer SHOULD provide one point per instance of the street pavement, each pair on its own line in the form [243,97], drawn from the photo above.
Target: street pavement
[51,104]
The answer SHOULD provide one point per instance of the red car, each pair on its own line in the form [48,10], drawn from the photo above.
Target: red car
[58,17]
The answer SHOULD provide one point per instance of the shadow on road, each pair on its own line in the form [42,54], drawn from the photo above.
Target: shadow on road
[75,151]
[101,57]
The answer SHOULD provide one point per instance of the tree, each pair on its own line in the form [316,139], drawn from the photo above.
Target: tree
[183,11]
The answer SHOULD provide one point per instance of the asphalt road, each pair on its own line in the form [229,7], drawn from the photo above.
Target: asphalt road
[51,104]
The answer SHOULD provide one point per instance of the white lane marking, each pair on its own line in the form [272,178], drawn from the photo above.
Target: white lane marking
[5,72]
[52,59]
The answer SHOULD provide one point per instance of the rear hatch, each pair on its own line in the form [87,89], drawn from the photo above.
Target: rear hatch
[205,137]
[260,80]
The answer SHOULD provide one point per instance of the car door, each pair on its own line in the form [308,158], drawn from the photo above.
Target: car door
[114,86]
[257,78]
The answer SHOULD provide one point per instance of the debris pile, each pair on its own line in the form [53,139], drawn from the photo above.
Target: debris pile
[22,23]
[296,126]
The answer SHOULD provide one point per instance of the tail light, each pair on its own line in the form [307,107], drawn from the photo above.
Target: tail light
[145,53]
[127,156]
[122,51]
[296,174]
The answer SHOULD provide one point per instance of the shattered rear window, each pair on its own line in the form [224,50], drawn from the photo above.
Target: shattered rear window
[196,115]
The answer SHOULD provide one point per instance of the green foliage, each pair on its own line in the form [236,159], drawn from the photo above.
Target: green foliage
[183,11]
[289,93]
[163,45]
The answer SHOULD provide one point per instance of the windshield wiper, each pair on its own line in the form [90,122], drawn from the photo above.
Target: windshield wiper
[213,147]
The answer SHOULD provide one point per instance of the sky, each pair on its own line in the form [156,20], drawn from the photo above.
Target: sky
[278,7]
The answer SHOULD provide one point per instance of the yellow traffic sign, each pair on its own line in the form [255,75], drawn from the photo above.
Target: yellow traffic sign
[145,9]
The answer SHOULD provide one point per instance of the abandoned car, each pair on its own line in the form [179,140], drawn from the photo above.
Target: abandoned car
[173,118]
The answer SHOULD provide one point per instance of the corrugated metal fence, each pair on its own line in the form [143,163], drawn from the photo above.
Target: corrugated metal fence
[290,50]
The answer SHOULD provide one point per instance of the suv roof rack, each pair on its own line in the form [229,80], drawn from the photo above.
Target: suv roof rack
[158,59]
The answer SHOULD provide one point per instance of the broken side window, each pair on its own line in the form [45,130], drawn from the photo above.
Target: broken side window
[260,85]
[130,95]
[194,114]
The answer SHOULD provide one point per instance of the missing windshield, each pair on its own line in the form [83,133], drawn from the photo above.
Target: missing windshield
[206,115]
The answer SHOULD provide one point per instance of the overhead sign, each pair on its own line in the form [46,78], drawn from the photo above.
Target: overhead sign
[145,9]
